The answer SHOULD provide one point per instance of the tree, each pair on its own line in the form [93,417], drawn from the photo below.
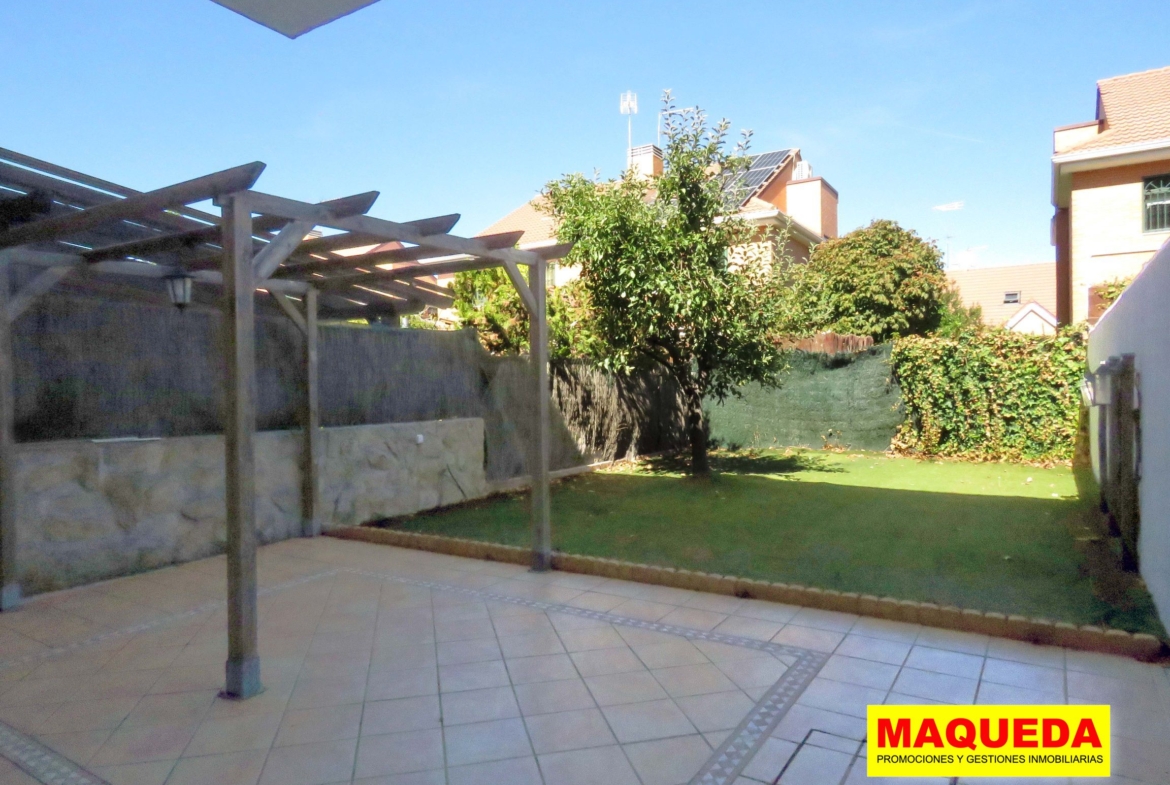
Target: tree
[880,280]
[655,266]
[955,319]
[486,301]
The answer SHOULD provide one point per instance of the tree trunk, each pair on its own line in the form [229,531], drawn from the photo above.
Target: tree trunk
[698,435]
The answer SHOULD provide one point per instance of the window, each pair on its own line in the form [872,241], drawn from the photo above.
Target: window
[1156,204]
[1011,298]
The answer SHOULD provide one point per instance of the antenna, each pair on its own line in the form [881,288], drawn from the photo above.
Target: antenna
[629,109]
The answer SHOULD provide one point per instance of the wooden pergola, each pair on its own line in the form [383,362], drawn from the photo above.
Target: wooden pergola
[82,232]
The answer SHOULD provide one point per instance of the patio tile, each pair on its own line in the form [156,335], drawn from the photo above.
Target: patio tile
[809,638]
[402,657]
[517,771]
[549,667]
[953,640]
[624,688]
[78,746]
[756,629]
[824,620]
[886,629]
[408,683]
[716,711]
[591,639]
[649,720]
[717,603]
[88,715]
[234,768]
[398,753]
[396,716]
[867,673]
[1029,653]
[477,650]
[693,618]
[433,777]
[755,672]
[328,723]
[692,680]
[596,601]
[486,741]
[493,703]
[526,623]
[891,652]
[665,655]
[568,730]
[994,694]
[553,696]
[1018,674]
[312,693]
[800,720]
[953,663]
[668,761]
[723,652]
[234,734]
[642,610]
[144,743]
[310,764]
[765,766]
[815,766]
[473,676]
[594,766]
[532,645]
[839,697]
[768,611]
[446,631]
[936,686]
[603,662]
[154,773]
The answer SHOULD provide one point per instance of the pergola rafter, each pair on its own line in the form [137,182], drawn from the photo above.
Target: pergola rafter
[260,242]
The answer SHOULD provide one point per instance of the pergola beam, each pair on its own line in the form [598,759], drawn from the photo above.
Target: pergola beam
[440,224]
[239,178]
[347,264]
[29,293]
[407,292]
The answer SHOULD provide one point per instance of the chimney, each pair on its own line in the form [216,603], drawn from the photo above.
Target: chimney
[810,201]
[646,161]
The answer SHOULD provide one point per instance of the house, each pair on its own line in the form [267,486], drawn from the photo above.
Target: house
[778,190]
[1111,190]
[1020,297]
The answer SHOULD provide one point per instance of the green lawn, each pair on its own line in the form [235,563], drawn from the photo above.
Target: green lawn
[997,537]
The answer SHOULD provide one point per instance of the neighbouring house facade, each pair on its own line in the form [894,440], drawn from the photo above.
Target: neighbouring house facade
[1111,190]
[1020,297]
[778,191]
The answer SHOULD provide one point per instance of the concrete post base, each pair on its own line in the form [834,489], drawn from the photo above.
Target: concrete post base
[243,678]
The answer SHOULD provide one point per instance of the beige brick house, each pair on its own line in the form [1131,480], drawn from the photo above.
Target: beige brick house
[1111,190]
[778,190]
[1020,297]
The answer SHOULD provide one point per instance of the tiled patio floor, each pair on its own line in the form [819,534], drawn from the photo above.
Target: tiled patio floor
[393,667]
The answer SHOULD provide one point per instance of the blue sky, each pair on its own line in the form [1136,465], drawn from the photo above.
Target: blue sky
[457,107]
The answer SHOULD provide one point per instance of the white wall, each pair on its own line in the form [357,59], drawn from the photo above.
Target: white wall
[1139,324]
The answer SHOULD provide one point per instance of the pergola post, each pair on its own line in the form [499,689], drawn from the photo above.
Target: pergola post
[539,449]
[311,422]
[9,579]
[243,663]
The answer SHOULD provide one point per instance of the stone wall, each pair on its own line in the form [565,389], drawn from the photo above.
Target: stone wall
[92,510]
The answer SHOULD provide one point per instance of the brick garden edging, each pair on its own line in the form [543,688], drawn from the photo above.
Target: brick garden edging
[1141,646]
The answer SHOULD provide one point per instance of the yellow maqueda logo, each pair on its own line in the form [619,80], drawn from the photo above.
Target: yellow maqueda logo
[988,741]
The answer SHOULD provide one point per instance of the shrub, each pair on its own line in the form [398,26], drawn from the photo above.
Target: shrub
[990,394]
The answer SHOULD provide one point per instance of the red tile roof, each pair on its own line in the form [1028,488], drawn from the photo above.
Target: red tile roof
[1132,109]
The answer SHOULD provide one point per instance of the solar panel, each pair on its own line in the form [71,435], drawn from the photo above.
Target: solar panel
[760,168]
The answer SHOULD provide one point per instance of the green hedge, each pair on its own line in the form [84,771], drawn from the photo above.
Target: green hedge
[990,395]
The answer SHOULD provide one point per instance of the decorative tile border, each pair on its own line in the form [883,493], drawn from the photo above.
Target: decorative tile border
[42,764]
[1032,630]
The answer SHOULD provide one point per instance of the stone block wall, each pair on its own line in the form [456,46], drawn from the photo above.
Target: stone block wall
[89,510]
